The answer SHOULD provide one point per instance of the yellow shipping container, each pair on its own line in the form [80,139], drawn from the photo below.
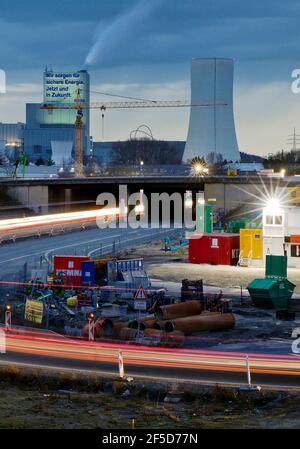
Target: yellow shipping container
[251,243]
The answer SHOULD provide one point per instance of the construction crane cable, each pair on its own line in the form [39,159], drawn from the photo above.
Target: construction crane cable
[107,94]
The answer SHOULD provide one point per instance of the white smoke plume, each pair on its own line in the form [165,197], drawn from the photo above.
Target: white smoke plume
[110,35]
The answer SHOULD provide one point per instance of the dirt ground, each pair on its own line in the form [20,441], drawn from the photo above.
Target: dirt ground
[22,407]
[220,275]
[174,266]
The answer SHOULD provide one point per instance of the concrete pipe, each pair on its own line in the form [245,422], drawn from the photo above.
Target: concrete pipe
[104,328]
[85,330]
[174,339]
[148,324]
[118,327]
[149,318]
[179,310]
[212,321]
[128,334]
[155,333]
[135,325]
[159,325]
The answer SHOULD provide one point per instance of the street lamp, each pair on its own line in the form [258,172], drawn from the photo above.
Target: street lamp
[141,166]
[282,172]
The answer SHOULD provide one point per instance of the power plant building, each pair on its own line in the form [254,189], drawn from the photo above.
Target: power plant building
[211,129]
[45,126]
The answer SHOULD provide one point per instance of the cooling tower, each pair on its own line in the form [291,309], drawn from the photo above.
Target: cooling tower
[212,129]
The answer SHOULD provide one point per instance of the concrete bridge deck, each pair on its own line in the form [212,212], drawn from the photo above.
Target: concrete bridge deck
[228,192]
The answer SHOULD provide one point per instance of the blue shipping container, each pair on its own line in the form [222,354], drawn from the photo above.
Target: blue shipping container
[130,265]
[88,273]
[125,265]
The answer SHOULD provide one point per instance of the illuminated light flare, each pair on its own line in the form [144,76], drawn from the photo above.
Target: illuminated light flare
[203,360]
[52,219]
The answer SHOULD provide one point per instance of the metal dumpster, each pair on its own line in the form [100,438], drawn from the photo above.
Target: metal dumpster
[276,267]
[271,293]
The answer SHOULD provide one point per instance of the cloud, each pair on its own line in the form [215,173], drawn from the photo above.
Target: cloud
[149,55]
[126,26]
[265,115]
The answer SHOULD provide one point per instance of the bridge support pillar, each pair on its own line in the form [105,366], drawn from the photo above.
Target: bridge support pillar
[32,197]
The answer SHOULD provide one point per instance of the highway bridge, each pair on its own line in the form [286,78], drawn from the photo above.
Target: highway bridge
[229,192]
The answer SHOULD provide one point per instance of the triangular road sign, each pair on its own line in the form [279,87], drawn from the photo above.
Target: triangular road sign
[141,293]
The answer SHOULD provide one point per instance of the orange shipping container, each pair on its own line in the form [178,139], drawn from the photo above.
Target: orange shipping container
[295,238]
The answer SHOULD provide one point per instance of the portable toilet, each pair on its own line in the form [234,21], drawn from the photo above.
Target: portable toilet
[204,215]
[251,246]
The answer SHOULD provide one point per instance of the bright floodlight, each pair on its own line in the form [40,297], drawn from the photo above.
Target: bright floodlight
[198,168]
[273,205]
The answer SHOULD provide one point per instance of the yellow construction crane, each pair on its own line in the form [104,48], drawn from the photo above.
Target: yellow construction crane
[79,106]
[78,144]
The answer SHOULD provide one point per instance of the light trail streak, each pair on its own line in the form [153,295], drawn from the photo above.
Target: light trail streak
[155,357]
[14,224]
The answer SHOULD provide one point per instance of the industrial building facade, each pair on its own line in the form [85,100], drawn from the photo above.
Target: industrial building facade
[44,127]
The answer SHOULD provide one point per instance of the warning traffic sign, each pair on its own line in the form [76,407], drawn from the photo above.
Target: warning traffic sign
[140,299]
[141,293]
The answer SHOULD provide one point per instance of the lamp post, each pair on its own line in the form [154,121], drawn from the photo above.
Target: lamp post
[91,320]
[7,317]
[141,167]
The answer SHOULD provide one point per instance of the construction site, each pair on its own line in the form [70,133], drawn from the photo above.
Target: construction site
[221,283]
[232,289]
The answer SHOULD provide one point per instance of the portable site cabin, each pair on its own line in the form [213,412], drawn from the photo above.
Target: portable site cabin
[251,247]
[214,249]
[281,231]
[279,236]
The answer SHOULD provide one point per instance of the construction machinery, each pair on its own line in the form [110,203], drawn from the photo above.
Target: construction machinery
[22,161]
[79,106]
[191,290]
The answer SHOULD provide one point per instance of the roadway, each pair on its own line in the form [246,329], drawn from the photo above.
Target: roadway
[183,365]
[38,349]
[94,242]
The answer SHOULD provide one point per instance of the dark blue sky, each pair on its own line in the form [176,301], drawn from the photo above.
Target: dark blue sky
[147,49]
